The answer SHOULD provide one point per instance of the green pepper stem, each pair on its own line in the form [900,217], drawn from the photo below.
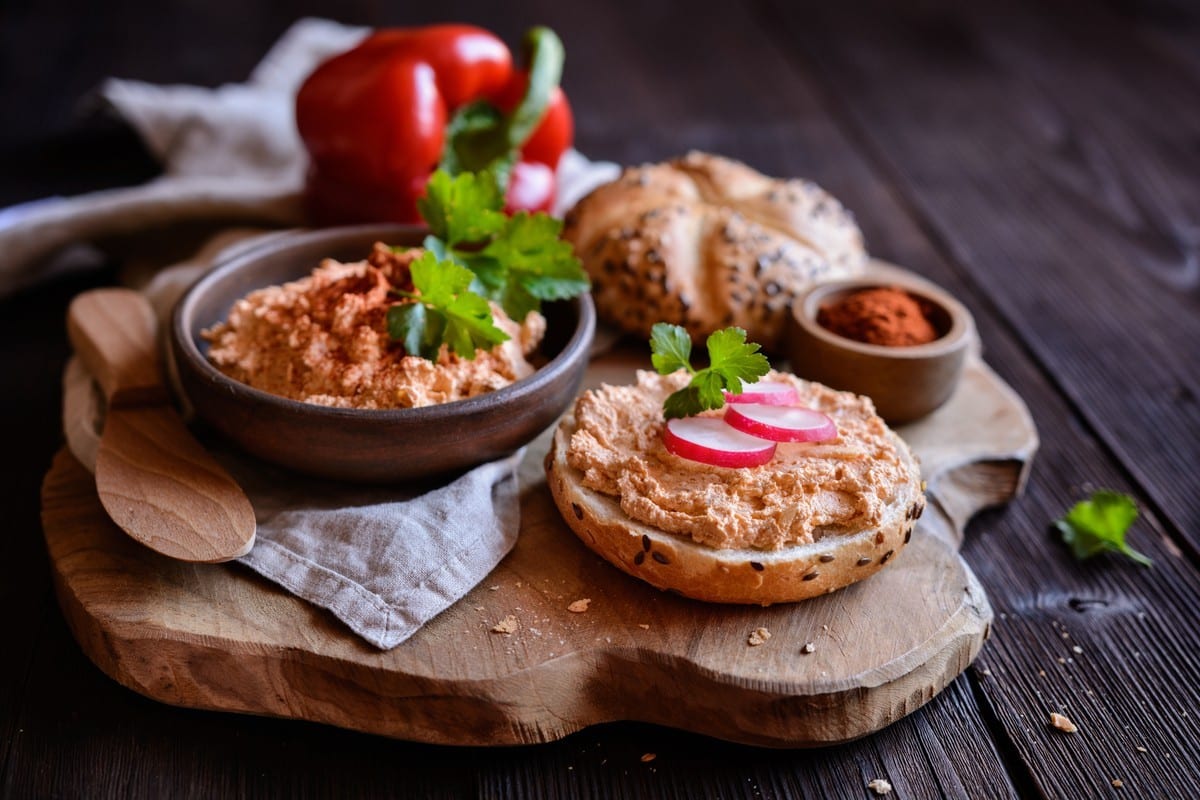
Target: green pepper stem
[543,51]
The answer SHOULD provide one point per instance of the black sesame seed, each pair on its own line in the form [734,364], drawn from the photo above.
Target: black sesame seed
[757,566]
[639,558]
[578,511]
[862,562]
[886,556]
[660,558]
[810,576]
[646,543]
[826,558]
[907,535]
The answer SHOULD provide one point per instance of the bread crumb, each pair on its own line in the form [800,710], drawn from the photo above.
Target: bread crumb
[495,588]
[1142,749]
[1062,723]
[648,757]
[644,626]
[507,625]
[579,606]
[1117,783]
[758,636]
[880,786]
[1077,649]
[809,647]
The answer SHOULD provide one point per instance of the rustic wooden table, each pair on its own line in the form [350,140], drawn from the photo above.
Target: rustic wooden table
[1041,163]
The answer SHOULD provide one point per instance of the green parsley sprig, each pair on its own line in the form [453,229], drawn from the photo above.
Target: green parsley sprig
[444,311]
[518,261]
[475,253]
[732,361]
[1099,524]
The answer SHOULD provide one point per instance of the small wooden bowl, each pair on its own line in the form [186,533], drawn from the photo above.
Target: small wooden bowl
[906,383]
[369,446]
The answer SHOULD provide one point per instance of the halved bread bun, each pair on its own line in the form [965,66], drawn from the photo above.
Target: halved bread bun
[754,576]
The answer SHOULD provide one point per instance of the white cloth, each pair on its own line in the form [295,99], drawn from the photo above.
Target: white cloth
[230,153]
[383,560]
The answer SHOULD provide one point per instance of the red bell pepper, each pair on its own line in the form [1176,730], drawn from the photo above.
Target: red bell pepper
[379,119]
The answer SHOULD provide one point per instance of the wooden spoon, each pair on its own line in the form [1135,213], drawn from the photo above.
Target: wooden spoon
[154,479]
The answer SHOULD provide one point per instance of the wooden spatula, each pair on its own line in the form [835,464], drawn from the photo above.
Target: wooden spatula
[154,479]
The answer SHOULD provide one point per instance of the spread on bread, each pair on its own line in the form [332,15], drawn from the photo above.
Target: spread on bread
[808,492]
[324,339]
[707,242]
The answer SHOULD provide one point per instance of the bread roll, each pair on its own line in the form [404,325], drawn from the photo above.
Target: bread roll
[687,560]
[707,242]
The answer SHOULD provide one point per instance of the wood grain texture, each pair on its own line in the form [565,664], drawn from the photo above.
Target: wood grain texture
[221,639]
[1073,211]
[156,482]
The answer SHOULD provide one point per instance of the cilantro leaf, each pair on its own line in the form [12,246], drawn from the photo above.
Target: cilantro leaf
[1099,525]
[465,209]
[732,361]
[445,312]
[670,348]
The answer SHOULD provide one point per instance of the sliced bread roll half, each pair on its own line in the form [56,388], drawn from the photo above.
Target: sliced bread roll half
[751,575]
[706,242]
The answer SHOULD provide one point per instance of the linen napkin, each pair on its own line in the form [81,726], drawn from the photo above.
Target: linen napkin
[230,153]
[384,560]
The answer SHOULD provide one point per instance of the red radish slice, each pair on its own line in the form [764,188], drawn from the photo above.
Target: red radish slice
[781,423]
[770,393]
[710,441]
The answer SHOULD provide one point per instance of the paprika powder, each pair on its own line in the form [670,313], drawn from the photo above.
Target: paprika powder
[883,315]
[378,120]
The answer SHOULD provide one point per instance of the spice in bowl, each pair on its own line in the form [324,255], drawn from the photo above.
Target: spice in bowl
[880,315]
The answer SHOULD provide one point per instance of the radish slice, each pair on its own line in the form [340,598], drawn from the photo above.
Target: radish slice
[710,441]
[770,393]
[781,423]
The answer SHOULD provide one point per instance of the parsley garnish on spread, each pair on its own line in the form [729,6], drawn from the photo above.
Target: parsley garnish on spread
[732,361]
[518,261]
[1099,524]
[476,253]
[445,311]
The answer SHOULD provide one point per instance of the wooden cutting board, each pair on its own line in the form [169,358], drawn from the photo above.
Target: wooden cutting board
[219,637]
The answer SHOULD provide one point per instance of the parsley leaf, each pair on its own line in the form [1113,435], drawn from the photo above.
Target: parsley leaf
[465,209]
[518,261]
[670,348]
[445,312]
[537,264]
[1099,525]
[732,362]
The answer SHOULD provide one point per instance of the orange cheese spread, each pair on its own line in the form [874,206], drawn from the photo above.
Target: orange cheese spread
[324,339]
[808,491]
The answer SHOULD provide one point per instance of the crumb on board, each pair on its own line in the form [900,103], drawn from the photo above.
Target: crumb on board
[1076,649]
[758,636]
[579,606]
[1117,783]
[880,786]
[644,626]
[507,625]
[648,757]
[809,647]
[1141,749]
[1061,723]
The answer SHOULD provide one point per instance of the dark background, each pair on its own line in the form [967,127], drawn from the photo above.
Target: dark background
[1039,160]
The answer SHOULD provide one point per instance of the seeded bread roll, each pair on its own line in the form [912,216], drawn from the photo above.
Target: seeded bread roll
[706,242]
[732,575]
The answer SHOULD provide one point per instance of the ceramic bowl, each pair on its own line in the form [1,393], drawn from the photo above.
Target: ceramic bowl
[906,383]
[358,445]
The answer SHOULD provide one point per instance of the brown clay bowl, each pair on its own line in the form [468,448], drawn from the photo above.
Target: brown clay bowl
[365,445]
[905,383]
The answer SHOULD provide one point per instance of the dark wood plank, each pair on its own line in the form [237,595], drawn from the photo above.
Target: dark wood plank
[1052,170]
[1110,609]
